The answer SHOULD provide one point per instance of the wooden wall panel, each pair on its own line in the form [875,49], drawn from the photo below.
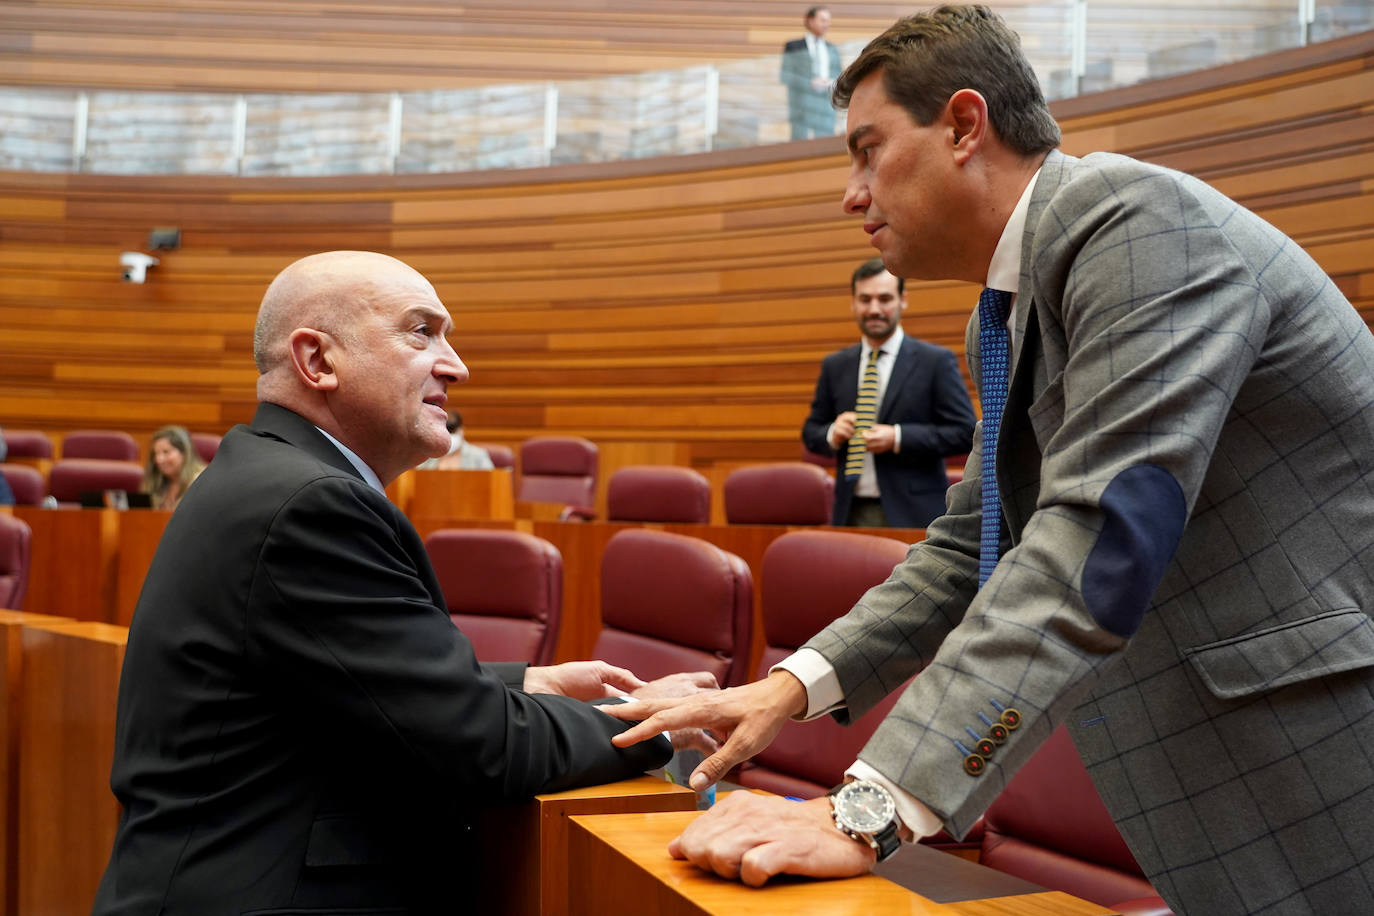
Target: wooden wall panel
[680,305]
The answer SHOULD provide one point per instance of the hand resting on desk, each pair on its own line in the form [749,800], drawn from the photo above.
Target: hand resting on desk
[753,837]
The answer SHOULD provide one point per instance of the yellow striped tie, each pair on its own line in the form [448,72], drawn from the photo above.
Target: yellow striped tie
[865,415]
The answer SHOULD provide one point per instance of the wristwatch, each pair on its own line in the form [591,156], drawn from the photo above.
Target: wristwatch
[865,811]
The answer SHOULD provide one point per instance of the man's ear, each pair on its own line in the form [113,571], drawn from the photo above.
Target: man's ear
[967,113]
[312,358]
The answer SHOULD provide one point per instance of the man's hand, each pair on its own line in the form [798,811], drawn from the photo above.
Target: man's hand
[754,837]
[842,429]
[683,685]
[749,716]
[880,438]
[581,680]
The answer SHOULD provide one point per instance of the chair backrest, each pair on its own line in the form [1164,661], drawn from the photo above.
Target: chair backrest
[504,590]
[109,444]
[25,483]
[14,561]
[807,579]
[558,469]
[70,477]
[658,493]
[501,455]
[821,461]
[789,493]
[674,603]
[205,444]
[26,443]
[1049,826]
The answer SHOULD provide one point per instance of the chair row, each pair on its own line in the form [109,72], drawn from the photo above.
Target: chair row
[106,444]
[676,603]
[553,469]
[69,478]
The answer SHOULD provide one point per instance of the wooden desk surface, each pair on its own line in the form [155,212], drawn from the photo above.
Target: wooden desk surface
[619,863]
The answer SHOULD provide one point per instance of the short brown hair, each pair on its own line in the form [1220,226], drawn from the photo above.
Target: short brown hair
[928,57]
[871,268]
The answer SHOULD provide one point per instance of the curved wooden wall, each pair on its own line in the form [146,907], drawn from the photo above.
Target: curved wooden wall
[365,45]
[673,310]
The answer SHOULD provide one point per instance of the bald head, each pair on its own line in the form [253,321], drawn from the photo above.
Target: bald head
[356,342]
[327,292]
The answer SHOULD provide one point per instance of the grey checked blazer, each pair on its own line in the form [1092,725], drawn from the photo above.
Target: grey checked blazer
[1187,480]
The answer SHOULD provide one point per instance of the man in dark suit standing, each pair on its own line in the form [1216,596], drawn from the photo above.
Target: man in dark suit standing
[809,67]
[300,726]
[891,472]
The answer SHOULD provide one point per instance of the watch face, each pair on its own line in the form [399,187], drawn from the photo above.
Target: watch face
[864,807]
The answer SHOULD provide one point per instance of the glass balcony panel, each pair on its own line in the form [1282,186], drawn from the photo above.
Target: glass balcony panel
[160,133]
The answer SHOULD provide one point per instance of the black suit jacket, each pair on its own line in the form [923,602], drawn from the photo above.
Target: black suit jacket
[301,728]
[926,396]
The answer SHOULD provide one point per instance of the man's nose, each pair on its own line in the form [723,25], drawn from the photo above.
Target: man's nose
[449,367]
[855,197]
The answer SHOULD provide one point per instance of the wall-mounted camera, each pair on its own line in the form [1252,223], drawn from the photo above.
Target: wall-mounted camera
[136,264]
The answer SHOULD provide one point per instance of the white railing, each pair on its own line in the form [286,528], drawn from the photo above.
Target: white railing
[1076,46]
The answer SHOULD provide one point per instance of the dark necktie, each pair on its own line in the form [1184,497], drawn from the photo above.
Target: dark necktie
[994,362]
[865,415]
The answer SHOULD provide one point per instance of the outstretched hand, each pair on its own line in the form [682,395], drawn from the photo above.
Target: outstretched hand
[686,684]
[753,837]
[593,680]
[749,717]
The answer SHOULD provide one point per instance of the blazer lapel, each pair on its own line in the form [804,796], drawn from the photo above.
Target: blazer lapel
[289,426]
[847,385]
[1018,458]
[905,361]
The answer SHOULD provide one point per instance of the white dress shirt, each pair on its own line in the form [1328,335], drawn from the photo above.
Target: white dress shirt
[820,60]
[369,475]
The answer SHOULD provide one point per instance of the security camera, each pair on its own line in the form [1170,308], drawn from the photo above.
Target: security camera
[136,264]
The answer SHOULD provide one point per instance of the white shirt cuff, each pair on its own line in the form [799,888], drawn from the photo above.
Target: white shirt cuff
[915,816]
[830,437]
[896,439]
[818,677]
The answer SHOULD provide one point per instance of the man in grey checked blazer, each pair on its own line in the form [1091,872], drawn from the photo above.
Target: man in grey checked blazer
[1186,471]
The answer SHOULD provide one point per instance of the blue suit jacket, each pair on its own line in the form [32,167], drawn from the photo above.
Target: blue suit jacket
[926,396]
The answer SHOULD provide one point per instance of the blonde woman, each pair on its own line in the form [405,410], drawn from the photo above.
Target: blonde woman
[172,465]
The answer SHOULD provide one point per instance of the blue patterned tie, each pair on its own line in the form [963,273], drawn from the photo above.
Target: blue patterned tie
[993,306]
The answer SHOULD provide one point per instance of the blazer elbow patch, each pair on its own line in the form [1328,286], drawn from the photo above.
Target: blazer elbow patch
[1145,513]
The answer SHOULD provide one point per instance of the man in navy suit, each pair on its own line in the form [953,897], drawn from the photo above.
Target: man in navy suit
[924,413]
[809,67]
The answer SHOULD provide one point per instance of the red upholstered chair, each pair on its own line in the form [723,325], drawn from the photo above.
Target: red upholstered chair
[205,444]
[109,444]
[809,578]
[821,461]
[558,469]
[789,493]
[504,590]
[14,561]
[25,483]
[954,467]
[674,603]
[70,477]
[1049,826]
[501,455]
[27,443]
[658,493]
